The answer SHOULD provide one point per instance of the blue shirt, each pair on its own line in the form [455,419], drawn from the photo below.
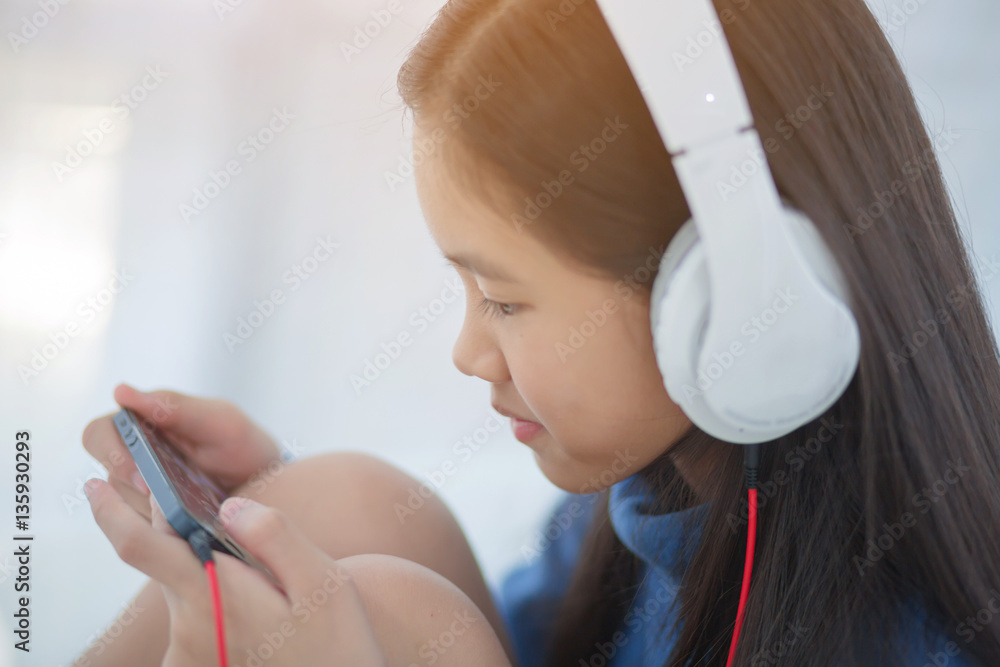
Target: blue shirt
[528,595]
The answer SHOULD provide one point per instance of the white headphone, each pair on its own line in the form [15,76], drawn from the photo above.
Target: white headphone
[750,314]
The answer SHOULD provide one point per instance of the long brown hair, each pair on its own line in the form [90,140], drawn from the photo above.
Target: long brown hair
[893,496]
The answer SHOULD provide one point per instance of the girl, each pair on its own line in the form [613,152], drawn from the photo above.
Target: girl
[877,542]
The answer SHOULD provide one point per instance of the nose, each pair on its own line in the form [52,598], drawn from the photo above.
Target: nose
[475,351]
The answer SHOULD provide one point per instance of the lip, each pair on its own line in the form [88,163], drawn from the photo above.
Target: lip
[508,413]
[524,429]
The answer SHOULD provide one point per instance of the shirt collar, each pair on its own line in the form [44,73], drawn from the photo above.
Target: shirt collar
[664,541]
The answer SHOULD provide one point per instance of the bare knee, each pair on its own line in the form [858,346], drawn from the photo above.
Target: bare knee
[350,503]
[354,474]
[420,617]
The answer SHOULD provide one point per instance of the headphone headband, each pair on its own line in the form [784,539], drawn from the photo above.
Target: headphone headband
[749,248]
[695,99]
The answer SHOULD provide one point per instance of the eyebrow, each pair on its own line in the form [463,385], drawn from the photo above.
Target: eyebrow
[480,266]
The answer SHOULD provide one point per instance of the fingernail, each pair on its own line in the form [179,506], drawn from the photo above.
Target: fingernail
[233,507]
[139,483]
[89,486]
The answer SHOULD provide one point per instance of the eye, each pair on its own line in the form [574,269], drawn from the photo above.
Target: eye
[488,306]
[495,308]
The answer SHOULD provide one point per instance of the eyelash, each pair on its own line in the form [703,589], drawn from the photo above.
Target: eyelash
[494,308]
[488,306]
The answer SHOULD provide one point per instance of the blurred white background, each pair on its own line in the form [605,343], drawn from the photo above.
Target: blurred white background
[201,76]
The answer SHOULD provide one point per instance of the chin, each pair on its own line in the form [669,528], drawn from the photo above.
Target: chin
[564,474]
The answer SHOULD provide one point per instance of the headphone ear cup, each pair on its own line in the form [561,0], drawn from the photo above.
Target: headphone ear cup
[679,310]
[679,304]
[818,255]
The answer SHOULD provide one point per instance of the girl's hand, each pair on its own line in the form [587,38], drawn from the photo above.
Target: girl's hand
[213,432]
[320,618]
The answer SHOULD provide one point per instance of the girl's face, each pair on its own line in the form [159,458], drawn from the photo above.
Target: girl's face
[565,350]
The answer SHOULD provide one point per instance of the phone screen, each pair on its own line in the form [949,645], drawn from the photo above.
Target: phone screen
[200,494]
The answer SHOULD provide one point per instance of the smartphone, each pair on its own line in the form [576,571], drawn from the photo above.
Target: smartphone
[189,497]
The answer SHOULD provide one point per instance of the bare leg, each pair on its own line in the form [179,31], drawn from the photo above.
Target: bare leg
[421,618]
[347,504]
[136,638]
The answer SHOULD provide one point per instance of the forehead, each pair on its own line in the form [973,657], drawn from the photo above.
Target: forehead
[464,227]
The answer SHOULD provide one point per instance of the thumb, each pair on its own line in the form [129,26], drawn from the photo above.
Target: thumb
[270,536]
[160,407]
[198,419]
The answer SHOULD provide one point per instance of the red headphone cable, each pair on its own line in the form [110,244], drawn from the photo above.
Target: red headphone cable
[199,542]
[751,458]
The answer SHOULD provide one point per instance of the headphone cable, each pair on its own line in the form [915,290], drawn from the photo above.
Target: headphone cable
[751,461]
[200,543]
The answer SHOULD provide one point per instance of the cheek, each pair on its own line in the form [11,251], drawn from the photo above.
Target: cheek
[599,396]
[540,377]
[570,389]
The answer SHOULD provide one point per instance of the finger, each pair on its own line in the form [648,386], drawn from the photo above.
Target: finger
[166,558]
[189,423]
[270,536]
[193,418]
[137,500]
[102,441]
[158,520]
